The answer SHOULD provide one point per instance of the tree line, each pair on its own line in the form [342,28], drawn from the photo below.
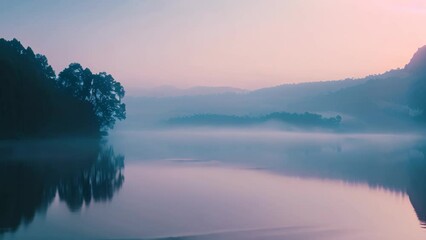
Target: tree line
[295,119]
[34,102]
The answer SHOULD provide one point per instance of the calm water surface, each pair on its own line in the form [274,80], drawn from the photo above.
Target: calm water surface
[215,184]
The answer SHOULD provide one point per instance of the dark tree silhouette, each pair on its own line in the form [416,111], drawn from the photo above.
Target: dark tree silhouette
[100,90]
[34,102]
[305,120]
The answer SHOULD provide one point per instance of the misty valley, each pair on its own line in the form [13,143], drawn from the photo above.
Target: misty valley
[83,157]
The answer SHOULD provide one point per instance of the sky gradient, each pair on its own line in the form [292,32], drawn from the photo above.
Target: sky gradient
[240,43]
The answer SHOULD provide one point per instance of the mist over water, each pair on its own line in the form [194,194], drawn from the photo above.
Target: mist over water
[222,184]
[213,120]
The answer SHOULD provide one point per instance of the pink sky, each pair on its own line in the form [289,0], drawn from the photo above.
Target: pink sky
[240,43]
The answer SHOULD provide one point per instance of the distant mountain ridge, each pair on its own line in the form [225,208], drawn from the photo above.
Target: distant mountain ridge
[395,99]
[171,91]
[418,61]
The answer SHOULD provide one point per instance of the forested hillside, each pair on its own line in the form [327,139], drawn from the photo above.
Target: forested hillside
[34,102]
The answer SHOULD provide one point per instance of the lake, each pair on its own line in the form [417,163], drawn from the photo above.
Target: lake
[215,184]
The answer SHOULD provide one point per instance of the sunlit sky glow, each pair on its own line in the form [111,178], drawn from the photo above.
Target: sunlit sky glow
[240,43]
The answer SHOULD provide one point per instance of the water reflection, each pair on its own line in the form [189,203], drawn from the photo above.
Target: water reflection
[416,189]
[200,186]
[33,173]
[395,163]
[400,171]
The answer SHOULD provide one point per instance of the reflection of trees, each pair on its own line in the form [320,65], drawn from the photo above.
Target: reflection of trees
[98,182]
[402,171]
[32,174]
[416,189]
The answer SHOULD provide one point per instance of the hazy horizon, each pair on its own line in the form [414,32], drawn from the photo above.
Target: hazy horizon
[213,119]
[242,44]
